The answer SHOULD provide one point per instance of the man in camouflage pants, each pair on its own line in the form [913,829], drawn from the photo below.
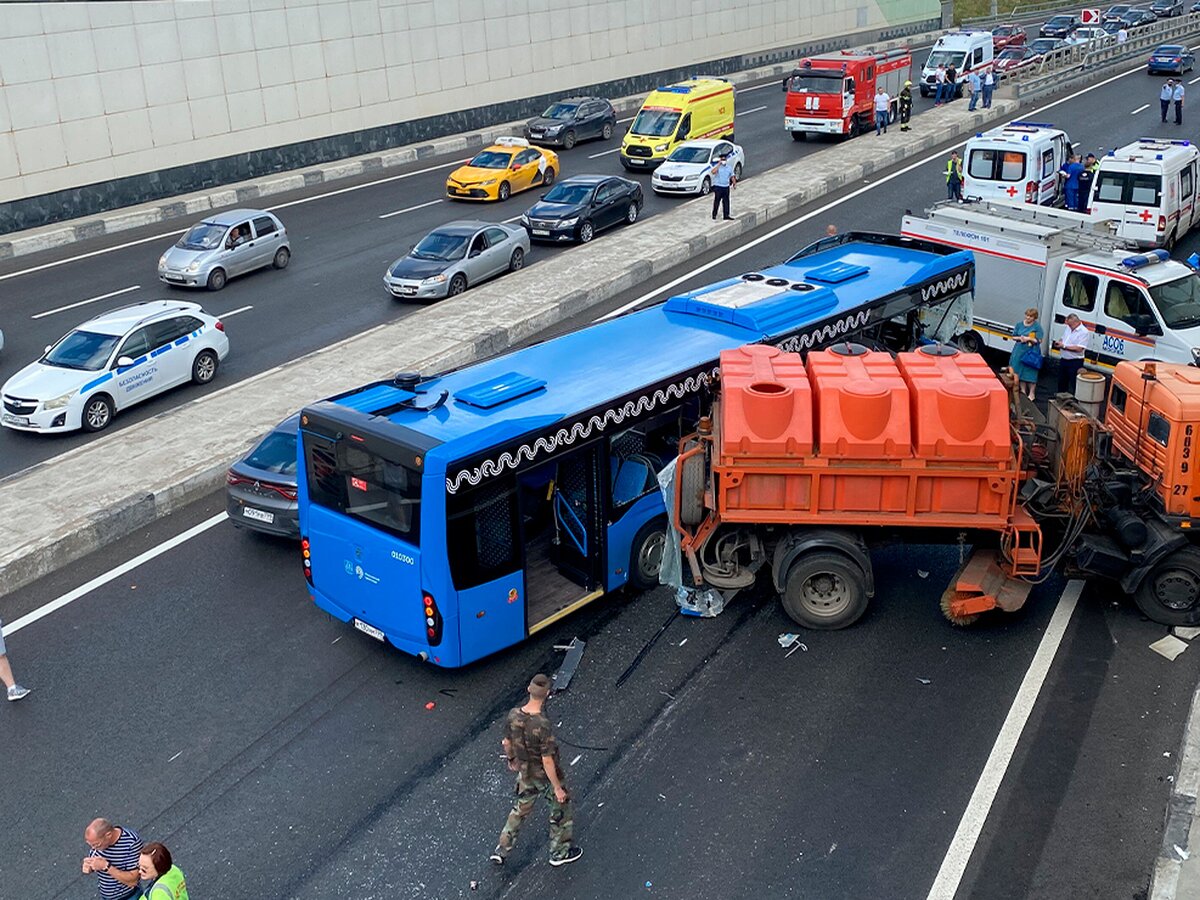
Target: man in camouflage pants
[532,753]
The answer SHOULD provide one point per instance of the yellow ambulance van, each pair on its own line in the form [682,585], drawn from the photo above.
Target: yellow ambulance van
[690,110]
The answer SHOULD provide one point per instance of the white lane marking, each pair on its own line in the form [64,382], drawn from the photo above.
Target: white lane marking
[234,312]
[945,885]
[51,312]
[604,153]
[100,580]
[410,208]
[177,232]
[1139,109]
[650,295]
[627,119]
[747,112]
[1194,80]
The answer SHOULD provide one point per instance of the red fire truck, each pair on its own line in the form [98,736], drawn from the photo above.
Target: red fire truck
[835,93]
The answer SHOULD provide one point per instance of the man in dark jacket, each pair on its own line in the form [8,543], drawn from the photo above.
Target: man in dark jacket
[905,105]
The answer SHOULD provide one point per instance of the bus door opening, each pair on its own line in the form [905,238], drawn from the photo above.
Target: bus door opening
[564,537]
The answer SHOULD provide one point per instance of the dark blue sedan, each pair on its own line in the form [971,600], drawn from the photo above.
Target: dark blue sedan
[1170,59]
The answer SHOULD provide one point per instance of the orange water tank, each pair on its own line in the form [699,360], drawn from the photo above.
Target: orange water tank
[862,404]
[959,408]
[766,407]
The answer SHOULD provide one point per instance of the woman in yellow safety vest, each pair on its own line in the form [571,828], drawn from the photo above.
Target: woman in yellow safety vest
[161,879]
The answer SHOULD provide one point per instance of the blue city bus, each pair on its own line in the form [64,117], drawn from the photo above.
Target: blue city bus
[457,514]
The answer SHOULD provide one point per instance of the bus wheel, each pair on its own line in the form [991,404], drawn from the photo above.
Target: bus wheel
[825,590]
[1170,594]
[646,555]
[969,342]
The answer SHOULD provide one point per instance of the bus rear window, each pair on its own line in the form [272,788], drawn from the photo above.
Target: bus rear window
[1128,187]
[363,485]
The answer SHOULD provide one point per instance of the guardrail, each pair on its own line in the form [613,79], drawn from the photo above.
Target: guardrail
[1021,9]
[1067,61]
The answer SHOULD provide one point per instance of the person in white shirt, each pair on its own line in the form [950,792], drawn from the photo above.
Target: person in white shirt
[939,78]
[1071,348]
[989,85]
[1122,35]
[1177,96]
[883,110]
[1165,96]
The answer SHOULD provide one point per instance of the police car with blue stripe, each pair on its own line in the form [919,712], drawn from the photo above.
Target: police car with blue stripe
[111,362]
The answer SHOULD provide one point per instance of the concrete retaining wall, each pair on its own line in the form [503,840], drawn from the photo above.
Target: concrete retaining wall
[104,105]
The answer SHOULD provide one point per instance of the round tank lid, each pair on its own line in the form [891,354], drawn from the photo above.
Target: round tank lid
[864,387]
[848,348]
[962,389]
[938,350]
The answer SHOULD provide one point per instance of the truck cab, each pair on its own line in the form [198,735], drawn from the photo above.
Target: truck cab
[835,93]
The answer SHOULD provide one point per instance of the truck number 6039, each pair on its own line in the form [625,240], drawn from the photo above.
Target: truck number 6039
[1112,344]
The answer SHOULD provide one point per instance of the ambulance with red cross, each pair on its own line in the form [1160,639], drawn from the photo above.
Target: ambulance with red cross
[1148,190]
[1016,163]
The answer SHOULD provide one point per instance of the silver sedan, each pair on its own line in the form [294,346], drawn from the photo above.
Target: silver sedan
[453,257]
[224,246]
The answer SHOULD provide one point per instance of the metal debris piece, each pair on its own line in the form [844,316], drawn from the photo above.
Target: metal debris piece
[1169,647]
[1187,632]
[1183,854]
[921,573]
[562,678]
[578,757]
[786,640]
[924,680]
[800,645]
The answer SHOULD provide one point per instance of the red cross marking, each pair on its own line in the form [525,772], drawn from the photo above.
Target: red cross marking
[1012,192]
[1145,215]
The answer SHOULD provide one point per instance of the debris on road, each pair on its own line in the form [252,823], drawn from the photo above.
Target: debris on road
[667,695]
[924,680]
[578,757]
[474,885]
[921,573]
[1187,632]
[562,678]
[430,705]
[786,640]
[684,641]
[800,645]
[1183,854]
[1169,647]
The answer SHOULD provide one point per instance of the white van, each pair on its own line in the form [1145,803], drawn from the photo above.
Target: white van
[967,51]
[1148,190]
[1016,163]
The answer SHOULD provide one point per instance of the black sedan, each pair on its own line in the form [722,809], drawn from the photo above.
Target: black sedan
[573,119]
[260,488]
[576,208]
[1166,9]
[1138,18]
[1059,27]
[1114,13]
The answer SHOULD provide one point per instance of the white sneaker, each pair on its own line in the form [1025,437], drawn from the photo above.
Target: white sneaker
[16,692]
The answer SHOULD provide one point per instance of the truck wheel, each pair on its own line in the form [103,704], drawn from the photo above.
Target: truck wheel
[969,342]
[853,127]
[1170,594]
[825,590]
[691,491]
[646,555]
[797,135]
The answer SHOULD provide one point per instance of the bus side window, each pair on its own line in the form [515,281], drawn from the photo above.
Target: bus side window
[637,454]
[1080,291]
[483,536]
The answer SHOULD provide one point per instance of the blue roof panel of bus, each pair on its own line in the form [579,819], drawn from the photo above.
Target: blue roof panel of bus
[619,356]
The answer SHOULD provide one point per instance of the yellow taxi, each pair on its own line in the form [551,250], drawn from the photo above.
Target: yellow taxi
[507,167]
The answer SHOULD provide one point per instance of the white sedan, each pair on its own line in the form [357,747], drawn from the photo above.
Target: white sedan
[111,362]
[688,170]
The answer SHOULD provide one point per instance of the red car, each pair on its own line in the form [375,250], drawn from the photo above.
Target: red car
[1012,59]
[1004,36]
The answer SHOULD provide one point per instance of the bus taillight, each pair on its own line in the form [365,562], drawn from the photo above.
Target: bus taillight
[304,549]
[433,619]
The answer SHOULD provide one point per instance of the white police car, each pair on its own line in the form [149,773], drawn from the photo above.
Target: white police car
[111,362]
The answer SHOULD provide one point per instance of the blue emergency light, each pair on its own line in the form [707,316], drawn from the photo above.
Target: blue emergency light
[1194,260]
[1145,259]
[1030,125]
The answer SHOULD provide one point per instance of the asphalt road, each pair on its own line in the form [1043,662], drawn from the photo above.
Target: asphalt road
[202,700]
[340,249]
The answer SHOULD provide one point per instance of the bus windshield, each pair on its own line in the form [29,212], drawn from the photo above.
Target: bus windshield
[655,122]
[359,482]
[816,83]
[1178,301]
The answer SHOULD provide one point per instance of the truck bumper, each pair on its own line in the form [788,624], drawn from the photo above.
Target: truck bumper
[814,126]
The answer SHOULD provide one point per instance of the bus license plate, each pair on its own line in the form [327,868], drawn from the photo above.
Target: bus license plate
[369,629]
[258,515]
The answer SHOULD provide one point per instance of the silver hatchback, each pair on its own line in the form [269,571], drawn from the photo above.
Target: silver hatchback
[224,246]
[456,256]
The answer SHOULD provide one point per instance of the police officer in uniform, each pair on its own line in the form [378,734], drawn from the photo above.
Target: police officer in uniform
[532,753]
[905,105]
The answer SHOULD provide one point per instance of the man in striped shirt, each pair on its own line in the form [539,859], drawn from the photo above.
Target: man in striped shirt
[113,859]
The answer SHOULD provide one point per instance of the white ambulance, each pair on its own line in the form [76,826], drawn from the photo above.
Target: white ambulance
[967,51]
[1148,190]
[1016,163]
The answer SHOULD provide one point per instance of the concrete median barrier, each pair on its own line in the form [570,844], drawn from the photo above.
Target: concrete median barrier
[75,503]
